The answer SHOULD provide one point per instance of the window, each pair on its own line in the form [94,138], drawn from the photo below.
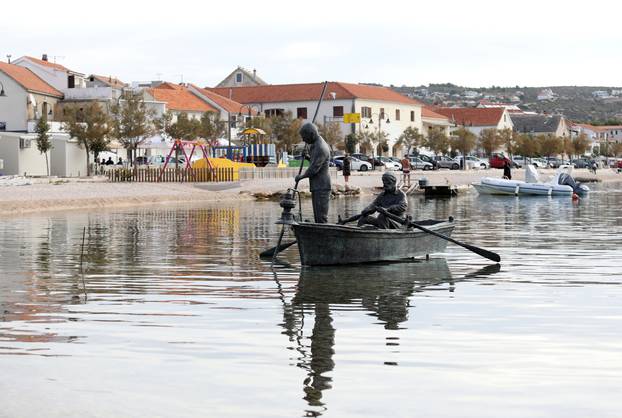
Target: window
[397,114]
[337,111]
[71,81]
[274,112]
[412,115]
[238,77]
[382,113]
[366,112]
[301,113]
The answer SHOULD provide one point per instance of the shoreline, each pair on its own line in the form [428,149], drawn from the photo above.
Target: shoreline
[97,193]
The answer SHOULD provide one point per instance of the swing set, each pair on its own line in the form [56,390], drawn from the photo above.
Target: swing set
[180,146]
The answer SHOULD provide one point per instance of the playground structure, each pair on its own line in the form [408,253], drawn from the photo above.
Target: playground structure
[255,149]
[179,146]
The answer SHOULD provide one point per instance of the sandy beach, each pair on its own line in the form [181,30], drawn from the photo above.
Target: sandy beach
[69,194]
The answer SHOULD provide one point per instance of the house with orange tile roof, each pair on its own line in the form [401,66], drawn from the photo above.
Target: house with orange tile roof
[233,112]
[431,119]
[27,97]
[371,102]
[600,137]
[477,119]
[178,99]
[58,76]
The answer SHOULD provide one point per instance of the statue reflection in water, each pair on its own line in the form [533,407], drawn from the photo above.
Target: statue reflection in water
[384,290]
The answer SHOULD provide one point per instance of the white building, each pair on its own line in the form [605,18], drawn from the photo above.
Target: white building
[380,108]
[546,94]
[27,98]
[58,76]
[477,119]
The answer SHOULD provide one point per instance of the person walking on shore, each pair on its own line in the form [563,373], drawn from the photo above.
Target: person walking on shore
[507,171]
[347,167]
[406,170]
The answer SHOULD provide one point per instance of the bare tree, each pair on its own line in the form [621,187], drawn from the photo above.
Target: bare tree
[490,141]
[331,132]
[464,141]
[437,141]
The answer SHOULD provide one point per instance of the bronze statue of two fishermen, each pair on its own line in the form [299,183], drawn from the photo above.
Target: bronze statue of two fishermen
[392,199]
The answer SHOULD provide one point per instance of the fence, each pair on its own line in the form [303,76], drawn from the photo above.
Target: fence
[250,173]
[170,175]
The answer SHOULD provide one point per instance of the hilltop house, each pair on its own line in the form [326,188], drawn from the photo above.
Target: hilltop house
[477,119]
[380,108]
[241,77]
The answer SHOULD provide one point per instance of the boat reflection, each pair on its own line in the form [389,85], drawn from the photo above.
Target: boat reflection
[383,290]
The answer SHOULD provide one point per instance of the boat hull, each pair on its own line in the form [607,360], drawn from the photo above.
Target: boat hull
[329,244]
[513,187]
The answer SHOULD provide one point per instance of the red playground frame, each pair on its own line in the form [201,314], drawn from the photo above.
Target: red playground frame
[180,145]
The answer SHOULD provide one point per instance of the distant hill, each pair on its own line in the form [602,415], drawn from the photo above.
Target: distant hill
[579,103]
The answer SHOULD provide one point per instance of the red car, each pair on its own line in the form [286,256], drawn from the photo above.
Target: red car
[498,160]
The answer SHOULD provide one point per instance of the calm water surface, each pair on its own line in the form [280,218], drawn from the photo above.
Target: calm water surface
[181,319]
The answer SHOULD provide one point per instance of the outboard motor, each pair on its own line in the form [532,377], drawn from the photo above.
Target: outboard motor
[567,180]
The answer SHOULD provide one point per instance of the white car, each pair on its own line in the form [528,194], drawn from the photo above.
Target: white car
[540,163]
[474,162]
[356,164]
[417,163]
[389,164]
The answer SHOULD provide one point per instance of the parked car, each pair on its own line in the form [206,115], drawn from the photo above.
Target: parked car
[417,163]
[368,159]
[355,163]
[580,163]
[337,162]
[498,160]
[430,160]
[554,162]
[446,162]
[390,164]
[474,162]
[539,163]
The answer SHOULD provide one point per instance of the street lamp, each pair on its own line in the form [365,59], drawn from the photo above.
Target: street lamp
[250,107]
[2,93]
[381,116]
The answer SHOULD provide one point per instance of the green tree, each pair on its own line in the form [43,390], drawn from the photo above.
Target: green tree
[351,141]
[410,138]
[285,131]
[568,147]
[580,144]
[44,143]
[331,132]
[550,145]
[211,127]
[490,141]
[509,139]
[437,141]
[133,122]
[527,145]
[464,141]
[90,125]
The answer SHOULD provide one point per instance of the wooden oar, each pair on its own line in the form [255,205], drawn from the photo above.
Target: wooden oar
[480,251]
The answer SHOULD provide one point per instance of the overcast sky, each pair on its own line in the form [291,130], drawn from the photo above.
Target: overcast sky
[470,42]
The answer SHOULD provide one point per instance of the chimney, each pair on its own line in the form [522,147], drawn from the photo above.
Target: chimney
[44,57]
[254,74]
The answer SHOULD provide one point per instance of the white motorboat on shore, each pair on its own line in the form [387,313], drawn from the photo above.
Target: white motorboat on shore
[561,184]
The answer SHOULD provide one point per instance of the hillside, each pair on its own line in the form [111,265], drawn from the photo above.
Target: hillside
[579,103]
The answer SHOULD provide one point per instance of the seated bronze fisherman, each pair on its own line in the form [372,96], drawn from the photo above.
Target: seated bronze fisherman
[391,199]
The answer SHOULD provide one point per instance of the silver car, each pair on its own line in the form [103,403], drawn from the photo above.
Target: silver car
[417,163]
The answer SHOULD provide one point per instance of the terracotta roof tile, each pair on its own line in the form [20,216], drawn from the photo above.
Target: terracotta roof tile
[48,64]
[311,91]
[472,116]
[179,98]
[426,112]
[111,81]
[228,105]
[28,80]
